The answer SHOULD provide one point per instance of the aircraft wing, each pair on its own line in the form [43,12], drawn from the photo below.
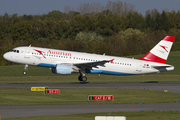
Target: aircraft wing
[90,65]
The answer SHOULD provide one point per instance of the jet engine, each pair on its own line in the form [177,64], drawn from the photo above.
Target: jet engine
[62,69]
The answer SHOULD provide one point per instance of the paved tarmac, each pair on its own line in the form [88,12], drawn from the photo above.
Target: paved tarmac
[47,110]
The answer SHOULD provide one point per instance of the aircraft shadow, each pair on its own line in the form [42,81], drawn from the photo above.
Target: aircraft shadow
[80,83]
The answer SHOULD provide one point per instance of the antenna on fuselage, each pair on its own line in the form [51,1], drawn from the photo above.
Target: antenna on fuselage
[29,45]
[104,54]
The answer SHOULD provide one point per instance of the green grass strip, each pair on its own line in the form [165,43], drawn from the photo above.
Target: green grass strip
[24,96]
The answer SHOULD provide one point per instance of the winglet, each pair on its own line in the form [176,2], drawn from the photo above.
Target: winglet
[111,60]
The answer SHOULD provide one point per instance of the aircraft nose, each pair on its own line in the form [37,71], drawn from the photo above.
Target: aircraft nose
[5,56]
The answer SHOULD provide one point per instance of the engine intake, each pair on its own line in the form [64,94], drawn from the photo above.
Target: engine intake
[62,69]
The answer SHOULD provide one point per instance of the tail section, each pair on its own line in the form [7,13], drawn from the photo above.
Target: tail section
[161,51]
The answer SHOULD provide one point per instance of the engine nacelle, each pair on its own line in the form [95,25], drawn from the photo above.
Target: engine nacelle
[62,69]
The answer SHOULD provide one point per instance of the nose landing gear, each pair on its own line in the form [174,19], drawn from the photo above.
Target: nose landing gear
[25,68]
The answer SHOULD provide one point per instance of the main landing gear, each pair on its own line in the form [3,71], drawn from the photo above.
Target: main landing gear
[82,77]
[25,68]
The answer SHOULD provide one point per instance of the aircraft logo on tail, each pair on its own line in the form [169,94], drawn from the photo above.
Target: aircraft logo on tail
[164,47]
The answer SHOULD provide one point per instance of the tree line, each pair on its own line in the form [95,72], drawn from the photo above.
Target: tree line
[115,29]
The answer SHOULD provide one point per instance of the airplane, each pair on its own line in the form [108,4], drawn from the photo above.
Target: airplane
[66,62]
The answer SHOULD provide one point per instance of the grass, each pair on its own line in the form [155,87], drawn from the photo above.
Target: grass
[153,115]
[14,96]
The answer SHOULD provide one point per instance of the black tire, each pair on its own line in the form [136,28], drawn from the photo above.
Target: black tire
[24,72]
[80,78]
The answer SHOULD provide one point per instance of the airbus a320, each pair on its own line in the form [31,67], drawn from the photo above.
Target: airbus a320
[66,62]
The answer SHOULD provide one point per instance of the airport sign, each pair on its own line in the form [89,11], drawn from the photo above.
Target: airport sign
[52,91]
[100,97]
[39,88]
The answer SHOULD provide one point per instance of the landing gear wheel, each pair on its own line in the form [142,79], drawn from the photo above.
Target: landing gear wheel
[80,78]
[24,72]
[84,78]
[25,68]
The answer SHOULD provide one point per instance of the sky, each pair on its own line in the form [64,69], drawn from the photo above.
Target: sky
[39,7]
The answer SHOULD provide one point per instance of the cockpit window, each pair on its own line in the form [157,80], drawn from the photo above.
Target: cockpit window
[16,51]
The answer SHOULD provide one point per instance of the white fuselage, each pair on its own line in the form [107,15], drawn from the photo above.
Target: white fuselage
[45,57]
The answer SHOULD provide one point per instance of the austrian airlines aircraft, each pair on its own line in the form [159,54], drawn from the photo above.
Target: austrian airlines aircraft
[65,62]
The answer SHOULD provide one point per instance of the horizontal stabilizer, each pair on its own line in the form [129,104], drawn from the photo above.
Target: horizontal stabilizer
[163,68]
